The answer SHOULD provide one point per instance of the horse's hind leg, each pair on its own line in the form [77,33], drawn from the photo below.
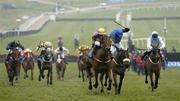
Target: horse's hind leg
[96,80]
[156,79]
[101,80]
[120,83]
[90,82]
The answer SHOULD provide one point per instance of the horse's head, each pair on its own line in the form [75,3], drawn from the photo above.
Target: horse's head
[15,55]
[155,56]
[84,56]
[59,58]
[48,56]
[105,41]
[122,57]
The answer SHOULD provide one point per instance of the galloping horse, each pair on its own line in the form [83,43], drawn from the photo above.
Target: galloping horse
[82,64]
[13,65]
[101,64]
[28,63]
[60,66]
[153,65]
[120,63]
[46,64]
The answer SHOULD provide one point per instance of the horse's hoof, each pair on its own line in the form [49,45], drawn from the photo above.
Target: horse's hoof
[155,87]
[105,84]
[146,82]
[50,83]
[90,87]
[102,91]
[79,76]
[95,86]
[109,88]
[43,76]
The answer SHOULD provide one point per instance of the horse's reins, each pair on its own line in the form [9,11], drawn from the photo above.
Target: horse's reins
[102,61]
[153,62]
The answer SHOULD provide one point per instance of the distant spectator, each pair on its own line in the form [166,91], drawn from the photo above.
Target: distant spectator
[173,49]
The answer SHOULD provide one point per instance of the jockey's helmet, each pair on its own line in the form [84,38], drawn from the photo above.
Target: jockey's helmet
[101,31]
[154,34]
[59,37]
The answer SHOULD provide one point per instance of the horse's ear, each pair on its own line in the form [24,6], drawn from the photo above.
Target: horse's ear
[127,49]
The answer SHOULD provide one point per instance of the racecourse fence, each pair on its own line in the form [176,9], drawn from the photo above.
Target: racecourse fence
[12,33]
[69,58]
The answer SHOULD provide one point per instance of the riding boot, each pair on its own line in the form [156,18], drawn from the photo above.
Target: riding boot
[65,61]
[145,54]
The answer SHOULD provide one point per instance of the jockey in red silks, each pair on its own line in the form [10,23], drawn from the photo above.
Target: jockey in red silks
[96,38]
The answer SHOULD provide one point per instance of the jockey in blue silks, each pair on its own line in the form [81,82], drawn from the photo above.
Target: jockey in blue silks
[116,36]
[154,40]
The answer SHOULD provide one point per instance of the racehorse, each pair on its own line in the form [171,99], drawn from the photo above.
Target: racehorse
[60,66]
[13,65]
[120,63]
[82,64]
[153,65]
[101,64]
[28,63]
[46,64]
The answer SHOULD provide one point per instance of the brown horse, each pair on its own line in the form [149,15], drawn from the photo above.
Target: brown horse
[120,63]
[101,64]
[28,63]
[153,65]
[13,65]
[82,64]
[60,67]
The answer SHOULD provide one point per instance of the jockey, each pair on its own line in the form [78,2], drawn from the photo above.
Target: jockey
[12,45]
[97,41]
[154,40]
[116,36]
[61,50]
[82,49]
[60,41]
[44,46]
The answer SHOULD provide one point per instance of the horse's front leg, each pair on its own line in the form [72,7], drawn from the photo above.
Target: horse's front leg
[110,79]
[115,83]
[146,74]
[106,78]
[101,80]
[152,83]
[51,76]
[96,80]
[48,76]
[83,74]
[156,79]
[32,74]
[120,82]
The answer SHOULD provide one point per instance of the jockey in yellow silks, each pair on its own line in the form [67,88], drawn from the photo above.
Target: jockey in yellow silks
[96,38]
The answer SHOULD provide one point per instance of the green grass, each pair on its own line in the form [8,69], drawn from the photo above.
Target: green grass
[73,89]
